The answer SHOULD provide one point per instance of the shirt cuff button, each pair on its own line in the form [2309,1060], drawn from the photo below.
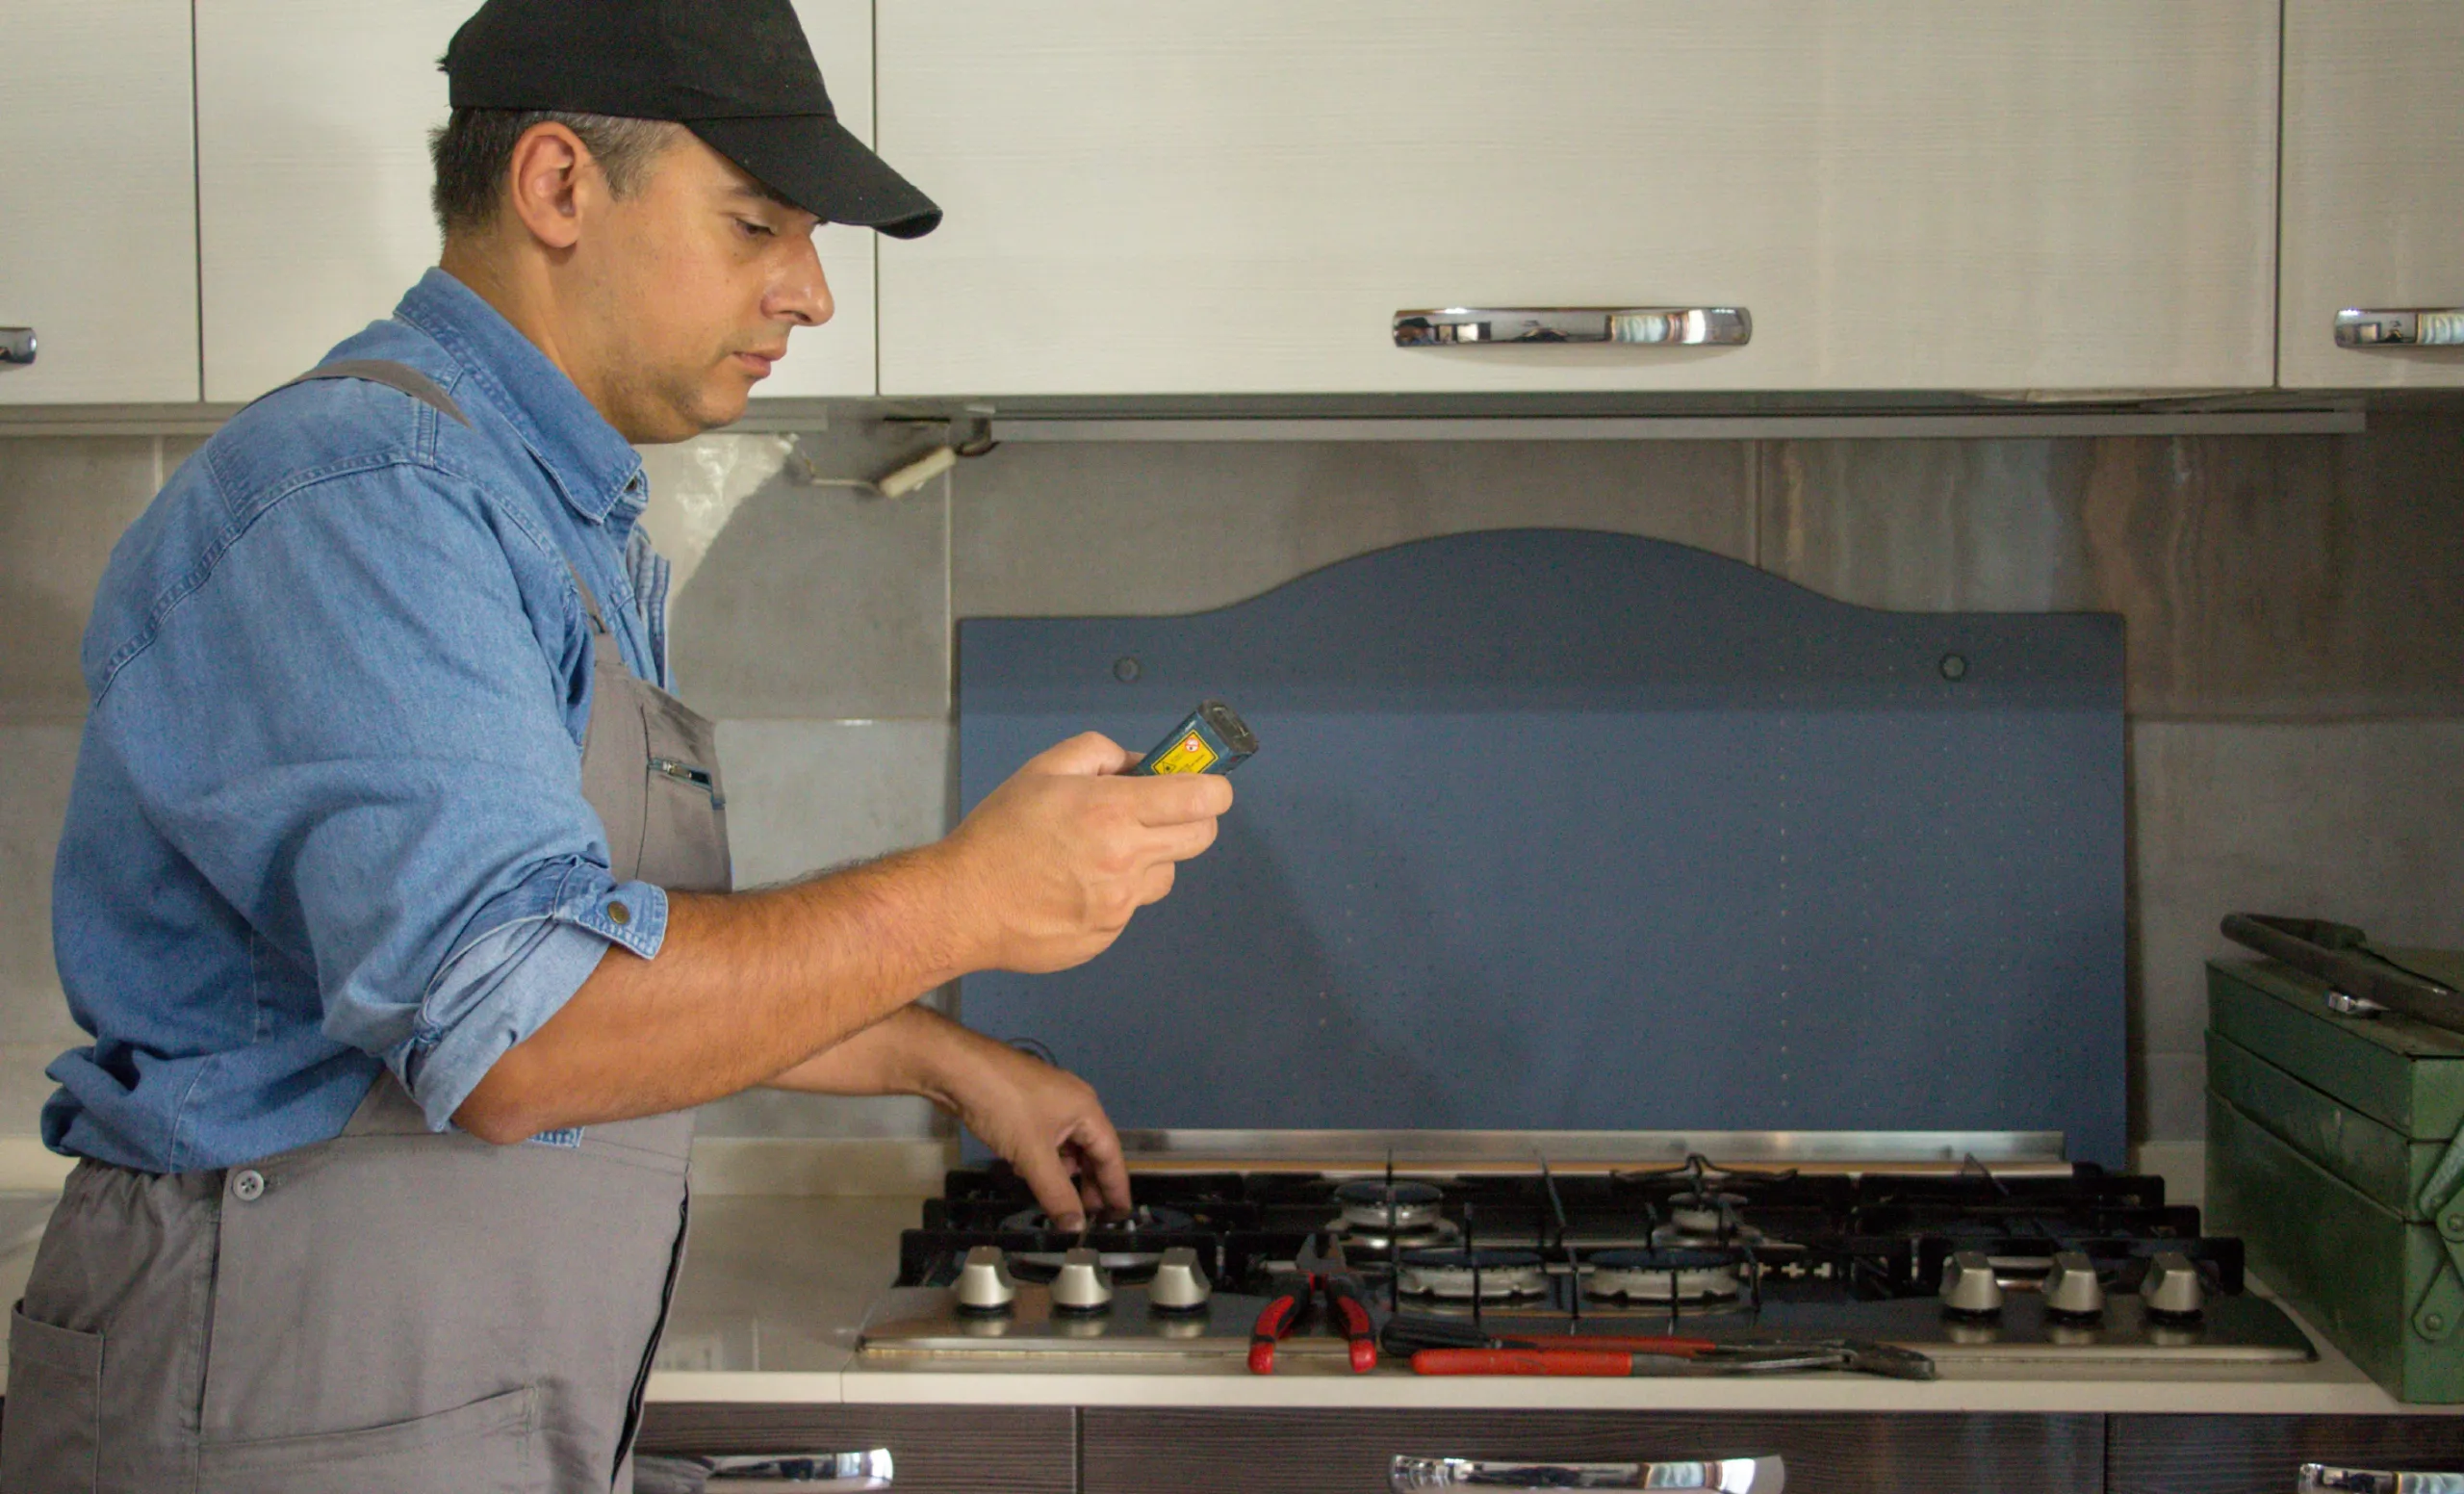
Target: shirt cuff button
[619,914]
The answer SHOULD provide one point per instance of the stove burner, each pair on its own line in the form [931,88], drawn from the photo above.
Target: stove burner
[1143,1218]
[1417,1225]
[1450,1274]
[1116,1243]
[1704,1221]
[1667,1275]
[1402,1206]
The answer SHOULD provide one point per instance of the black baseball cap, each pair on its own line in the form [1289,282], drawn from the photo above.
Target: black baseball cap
[738,73]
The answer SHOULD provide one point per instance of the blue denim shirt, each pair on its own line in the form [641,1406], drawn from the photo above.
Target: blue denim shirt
[328,812]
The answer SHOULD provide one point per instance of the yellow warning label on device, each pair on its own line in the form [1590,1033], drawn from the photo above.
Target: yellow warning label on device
[1189,754]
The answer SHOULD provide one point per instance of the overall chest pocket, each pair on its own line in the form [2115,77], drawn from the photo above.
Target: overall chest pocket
[684,823]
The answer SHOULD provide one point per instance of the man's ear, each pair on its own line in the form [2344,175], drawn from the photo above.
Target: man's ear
[550,183]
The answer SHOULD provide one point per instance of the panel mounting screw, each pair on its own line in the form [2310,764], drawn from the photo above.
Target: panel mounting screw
[2455,1223]
[1954,666]
[2434,1322]
[1125,669]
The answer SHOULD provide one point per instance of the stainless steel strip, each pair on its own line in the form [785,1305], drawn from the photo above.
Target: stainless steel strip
[1364,1153]
[2343,418]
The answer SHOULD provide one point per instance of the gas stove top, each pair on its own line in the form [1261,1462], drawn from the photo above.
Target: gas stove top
[1968,1260]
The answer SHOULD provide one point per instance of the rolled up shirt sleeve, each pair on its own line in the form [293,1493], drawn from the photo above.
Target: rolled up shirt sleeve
[393,799]
[501,986]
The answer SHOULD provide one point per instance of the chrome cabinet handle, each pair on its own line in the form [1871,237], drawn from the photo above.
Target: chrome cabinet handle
[16,347]
[1665,326]
[2324,1478]
[1718,1476]
[768,1473]
[2355,328]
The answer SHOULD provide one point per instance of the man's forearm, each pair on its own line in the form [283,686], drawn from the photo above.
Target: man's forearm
[911,1051]
[745,986]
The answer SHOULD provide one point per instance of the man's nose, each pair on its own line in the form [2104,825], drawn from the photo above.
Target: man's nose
[801,295]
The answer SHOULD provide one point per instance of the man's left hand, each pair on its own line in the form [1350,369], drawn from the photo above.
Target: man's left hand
[1045,1122]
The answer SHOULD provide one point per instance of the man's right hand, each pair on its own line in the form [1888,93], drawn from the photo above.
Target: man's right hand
[1054,861]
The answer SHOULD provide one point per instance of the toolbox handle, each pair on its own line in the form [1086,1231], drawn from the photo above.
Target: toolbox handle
[2340,954]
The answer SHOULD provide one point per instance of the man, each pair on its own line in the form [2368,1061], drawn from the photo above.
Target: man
[394,887]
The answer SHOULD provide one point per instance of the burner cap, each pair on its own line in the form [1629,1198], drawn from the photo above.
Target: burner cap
[1368,1190]
[1663,1273]
[1449,1273]
[1140,1220]
[1405,1207]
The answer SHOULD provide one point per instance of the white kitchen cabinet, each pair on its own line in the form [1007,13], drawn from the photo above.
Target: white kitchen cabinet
[1188,196]
[97,202]
[2373,184]
[312,176]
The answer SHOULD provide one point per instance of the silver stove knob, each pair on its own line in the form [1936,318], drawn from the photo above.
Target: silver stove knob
[1083,1285]
[2072,1289]
[1180,1282]
[1968,1285]
[983,1280]
[2172,1288]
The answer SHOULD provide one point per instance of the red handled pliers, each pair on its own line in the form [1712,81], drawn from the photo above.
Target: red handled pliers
[1317,1270]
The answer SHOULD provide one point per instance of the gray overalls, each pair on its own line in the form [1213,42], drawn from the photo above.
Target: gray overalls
[393,1310]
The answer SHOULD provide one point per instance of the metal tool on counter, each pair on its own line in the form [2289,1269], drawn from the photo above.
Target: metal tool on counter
[1439,1346]
[1881,1359]
[2363,981]
[1347,1302]
[1319,1269]
[1282,1313]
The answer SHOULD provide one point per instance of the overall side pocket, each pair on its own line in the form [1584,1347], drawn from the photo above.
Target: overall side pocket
[492,1445]
[50,1436]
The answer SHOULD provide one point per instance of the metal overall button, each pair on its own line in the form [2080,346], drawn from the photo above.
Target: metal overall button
[248,1185]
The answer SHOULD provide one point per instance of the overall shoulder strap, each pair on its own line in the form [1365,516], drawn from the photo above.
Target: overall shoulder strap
[425,390]
[392,375]
[589,603]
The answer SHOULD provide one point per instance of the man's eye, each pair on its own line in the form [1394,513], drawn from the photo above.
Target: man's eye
[760,230]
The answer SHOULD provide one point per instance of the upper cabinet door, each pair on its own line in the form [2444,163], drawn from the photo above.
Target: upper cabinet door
[2374,186]
[312,176]
[97,201]
[1176,197]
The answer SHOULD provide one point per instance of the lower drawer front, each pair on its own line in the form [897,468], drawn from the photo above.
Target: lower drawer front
[2264,1455]
[933,1448]
[1134,1450]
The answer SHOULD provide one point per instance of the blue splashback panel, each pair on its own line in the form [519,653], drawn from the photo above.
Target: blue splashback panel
[1562,830]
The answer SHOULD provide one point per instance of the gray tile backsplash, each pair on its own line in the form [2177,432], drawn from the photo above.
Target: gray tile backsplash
[63,503]
[807,795]
[1071,530]
[2306,577]
[2296,636]
[34,795]
[806,602]
[2361,821]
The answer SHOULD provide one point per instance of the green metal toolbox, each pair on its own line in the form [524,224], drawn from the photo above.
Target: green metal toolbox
[2333,1152]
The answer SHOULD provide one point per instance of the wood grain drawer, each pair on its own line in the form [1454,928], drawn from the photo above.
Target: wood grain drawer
[2261,1455]
[1030,1449]
[1137,1451]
